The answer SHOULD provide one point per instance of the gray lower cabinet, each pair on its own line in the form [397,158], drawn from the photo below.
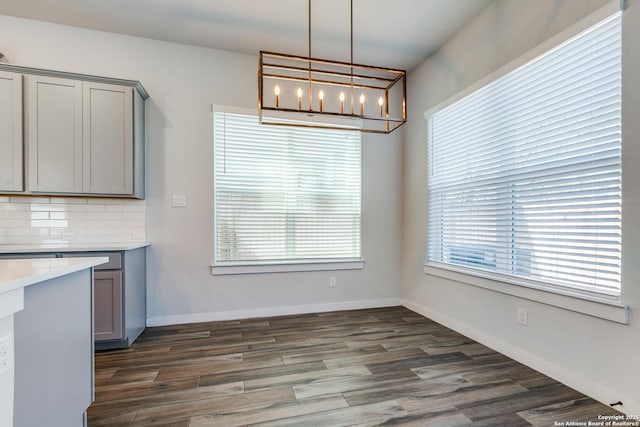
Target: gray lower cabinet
[119,297]
[119,294]
[107,318]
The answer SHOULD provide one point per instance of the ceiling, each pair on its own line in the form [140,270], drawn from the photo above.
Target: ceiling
[387,33]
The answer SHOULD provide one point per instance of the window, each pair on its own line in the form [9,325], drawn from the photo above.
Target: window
[524,180]
[285,194]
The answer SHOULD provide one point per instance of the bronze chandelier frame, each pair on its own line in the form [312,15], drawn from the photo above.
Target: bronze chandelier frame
[330,94]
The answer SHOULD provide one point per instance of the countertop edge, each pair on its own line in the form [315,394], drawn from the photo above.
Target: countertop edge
[98,247]
[66,266]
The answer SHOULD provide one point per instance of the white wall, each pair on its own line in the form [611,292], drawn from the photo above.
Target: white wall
[183,82]
[598,357]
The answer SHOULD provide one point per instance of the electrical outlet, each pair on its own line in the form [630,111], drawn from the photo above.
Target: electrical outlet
[523,316]
[6,354]
[332,281]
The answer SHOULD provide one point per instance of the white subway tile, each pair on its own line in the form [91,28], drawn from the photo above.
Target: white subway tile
[93,201]
[69,200]
[118,224]
[124,208]
[11,223]
[133,215]
[53,223]
[57,235]
[99,232]
[58,215]
[12,240]
[77,231]
[43,231]
[20,231]
[39,215]
[86,208]
[46,207]
[133,223]
[19,214]
[104,215]
[139,235]
[70,219]
[52,241]
[14,207]
[79,224]
[28,199]
[73,215]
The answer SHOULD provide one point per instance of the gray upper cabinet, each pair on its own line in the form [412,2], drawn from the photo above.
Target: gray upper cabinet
[54,134]
[108,139]
[11,160]
[83,135]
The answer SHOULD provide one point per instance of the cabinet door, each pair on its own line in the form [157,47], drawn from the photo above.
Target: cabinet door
[107,139]
[10,132]
[107,305]
[54,140]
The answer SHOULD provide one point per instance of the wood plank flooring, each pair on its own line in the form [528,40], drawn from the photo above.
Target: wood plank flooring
[387,366]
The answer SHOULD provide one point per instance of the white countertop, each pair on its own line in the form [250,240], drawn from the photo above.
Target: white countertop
[18,273]
[71,247]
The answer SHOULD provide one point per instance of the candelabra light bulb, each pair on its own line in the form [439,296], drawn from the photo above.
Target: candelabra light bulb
[277,92]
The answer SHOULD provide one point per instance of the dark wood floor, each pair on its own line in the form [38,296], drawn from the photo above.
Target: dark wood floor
[387,366]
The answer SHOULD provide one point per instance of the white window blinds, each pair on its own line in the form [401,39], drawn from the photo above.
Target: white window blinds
[285,193]
[525,173]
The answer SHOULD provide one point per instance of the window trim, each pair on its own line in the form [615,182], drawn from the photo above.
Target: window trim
[288,266]
[224,268]
[581,303]
[599,306]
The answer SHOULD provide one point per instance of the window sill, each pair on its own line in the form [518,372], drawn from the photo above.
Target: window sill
[565,299]
[285,266]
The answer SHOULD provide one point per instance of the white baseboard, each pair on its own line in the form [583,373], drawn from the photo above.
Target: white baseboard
[579,383]
[177,319]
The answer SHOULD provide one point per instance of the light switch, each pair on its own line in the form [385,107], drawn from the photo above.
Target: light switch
[179,201]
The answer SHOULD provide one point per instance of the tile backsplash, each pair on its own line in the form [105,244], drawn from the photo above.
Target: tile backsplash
[61,220]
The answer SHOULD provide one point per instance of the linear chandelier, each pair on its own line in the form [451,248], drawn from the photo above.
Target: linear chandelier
[330,94]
